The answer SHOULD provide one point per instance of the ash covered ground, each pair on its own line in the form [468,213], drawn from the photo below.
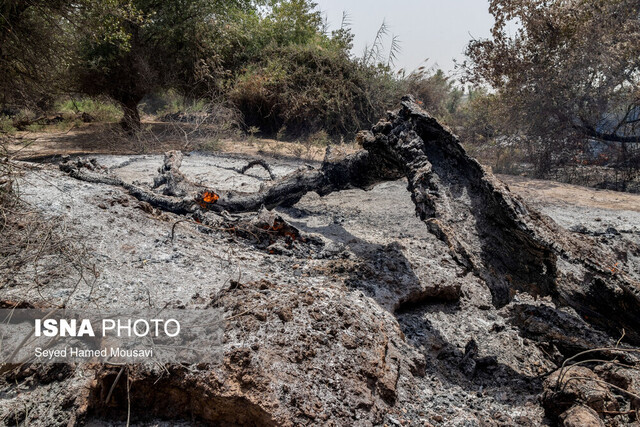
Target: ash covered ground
[367,320]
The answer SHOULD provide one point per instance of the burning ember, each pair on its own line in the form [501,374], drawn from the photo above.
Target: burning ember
[281,228]
[208,198]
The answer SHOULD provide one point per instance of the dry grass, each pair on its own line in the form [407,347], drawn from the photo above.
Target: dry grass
[7,194]
[35,250]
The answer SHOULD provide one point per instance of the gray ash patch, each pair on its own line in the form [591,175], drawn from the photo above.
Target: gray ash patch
[363,318]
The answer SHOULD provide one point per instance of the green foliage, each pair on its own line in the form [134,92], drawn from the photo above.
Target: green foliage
[6,125]
[480,118]
[289,22]
[34,52]
[248,31]
[272,59]
[292,78]
[319,138]
[34,127]
[211,145]
[437,92]
[135,47]
[102,110]
[172,101]
[306,88]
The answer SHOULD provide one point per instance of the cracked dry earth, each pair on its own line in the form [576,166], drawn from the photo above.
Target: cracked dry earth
[366,320]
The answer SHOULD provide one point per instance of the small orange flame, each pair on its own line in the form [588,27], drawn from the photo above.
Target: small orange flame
[281,228]
[210,197]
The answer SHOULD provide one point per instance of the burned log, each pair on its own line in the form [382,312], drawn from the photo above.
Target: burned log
[169,175]
[489,231]
[360,170]
[494,233]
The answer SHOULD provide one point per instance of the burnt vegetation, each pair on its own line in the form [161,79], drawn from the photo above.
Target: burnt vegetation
[548,316]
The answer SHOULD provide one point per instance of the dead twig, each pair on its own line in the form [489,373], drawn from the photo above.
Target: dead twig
[258,162]
[564,369]
[128,399]
[113,386]
[173,227]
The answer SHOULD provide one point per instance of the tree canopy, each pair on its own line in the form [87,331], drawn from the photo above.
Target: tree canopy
[34,50]
[131,48]
[273,61]
[570,71]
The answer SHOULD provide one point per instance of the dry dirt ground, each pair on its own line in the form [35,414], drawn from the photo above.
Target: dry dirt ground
[156,137]
[372,324]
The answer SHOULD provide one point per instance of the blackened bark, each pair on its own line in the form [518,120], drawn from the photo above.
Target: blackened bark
[257,162]
[359,170]
[495,234]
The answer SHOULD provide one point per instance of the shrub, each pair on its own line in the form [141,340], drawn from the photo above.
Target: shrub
[34,127]
[6,125]
[7,193]
[313,87]
[319,138]
[436,91]
[169,102]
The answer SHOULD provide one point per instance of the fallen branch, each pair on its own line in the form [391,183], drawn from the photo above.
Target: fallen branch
[169,204]
[181,196]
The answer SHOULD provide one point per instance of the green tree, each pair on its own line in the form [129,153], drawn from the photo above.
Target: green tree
[130,48]
[291,74]
[480,116]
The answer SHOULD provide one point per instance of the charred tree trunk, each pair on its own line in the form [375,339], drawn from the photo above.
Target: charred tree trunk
[489,231]
[495,234]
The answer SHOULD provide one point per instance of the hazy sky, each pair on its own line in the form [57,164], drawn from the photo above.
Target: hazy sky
[434,29]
